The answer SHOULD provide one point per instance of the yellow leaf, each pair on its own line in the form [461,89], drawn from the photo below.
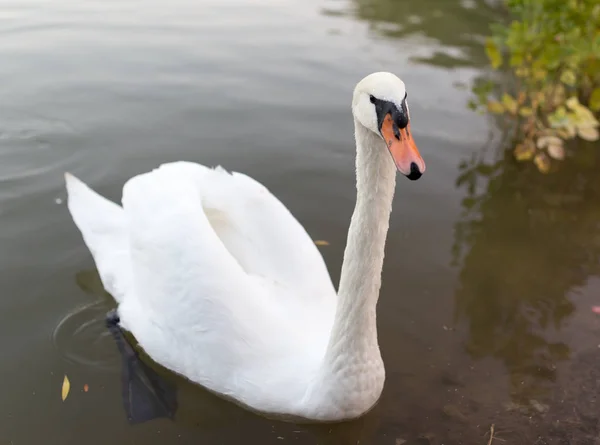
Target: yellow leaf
[516,60]
[493,53]
[495,107]
[564,133]
[572,102]
[524,151]
[66,386]
[556,151]
[509,103]
[568,78]
[544,141]
[525,111]
[588,133]
[522,71]
[321,242]
[595,100]
[571,130]
[542,162]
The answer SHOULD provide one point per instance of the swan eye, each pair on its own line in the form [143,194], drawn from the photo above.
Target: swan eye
[372,98]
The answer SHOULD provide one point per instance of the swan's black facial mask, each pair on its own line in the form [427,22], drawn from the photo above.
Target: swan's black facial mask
[394,126]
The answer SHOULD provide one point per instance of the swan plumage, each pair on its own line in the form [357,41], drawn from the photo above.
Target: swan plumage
[220,283]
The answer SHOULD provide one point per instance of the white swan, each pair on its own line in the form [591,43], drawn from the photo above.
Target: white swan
[220,283]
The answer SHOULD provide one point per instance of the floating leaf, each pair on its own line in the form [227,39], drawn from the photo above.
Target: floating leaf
[595,100]
[556,151]
[524,151]
[495,107]
[509,103]
[542,162]
[525,111]
[588,133]
[66,386]
[321,242]
[493,53]
[568,77]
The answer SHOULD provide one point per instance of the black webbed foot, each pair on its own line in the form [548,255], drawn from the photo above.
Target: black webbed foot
[146,395]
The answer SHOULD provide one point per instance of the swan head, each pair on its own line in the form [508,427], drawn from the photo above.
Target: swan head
[380,105]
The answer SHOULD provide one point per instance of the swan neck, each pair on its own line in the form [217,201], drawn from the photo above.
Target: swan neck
[354,328]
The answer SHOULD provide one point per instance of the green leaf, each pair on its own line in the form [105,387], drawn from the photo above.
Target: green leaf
[516,60]
[525,111]
[524,151]
[568,77]
[493,53]
[495,107]
[509,103]
[595,100]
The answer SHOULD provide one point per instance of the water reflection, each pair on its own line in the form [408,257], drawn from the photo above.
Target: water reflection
[524,244]
[458,26]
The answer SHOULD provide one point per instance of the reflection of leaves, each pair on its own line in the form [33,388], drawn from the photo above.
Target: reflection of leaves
[443,21]
[517,230]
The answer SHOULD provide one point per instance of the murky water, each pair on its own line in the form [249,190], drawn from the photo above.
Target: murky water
[490,271]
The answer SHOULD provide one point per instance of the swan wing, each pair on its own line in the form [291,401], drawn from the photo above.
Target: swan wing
[178,256]
[258,230]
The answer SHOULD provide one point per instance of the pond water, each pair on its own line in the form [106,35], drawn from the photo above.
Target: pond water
[490,272]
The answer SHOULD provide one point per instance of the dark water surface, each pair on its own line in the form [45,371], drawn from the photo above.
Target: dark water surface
[490,271]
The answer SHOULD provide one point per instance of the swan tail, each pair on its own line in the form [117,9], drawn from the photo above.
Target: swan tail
[104,228]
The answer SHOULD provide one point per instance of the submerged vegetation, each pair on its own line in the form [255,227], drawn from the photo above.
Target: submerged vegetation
[552,51]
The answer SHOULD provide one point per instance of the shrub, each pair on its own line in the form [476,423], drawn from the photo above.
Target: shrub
[552,49]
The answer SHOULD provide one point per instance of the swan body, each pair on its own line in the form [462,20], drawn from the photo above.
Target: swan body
[219,282]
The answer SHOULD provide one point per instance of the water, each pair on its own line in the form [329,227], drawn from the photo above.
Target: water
[490,271]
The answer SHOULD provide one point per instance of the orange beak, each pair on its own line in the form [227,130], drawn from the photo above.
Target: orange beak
[403,148]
